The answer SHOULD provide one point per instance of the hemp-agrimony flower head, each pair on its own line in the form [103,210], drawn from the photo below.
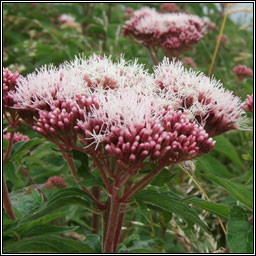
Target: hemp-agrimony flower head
[242,72]
[248,104]
[17,137]
[174,32]
[9,81]
[201,98]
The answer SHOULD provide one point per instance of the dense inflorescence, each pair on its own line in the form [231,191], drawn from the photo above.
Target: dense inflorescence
[248,104]
[17,137]
[9,81]
[119,110]
[200,98]
[169,7]
[242,72]
[188,61]
[173,32]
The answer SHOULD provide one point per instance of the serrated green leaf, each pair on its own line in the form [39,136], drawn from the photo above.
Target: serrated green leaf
[239,191]
[47,244]
[170,205]
[218,209]
[239,231]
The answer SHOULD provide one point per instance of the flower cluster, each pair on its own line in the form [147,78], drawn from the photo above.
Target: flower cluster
[119,110]
[200,98]
[68,21]
[9,81]
[223,38]
[174,32]
[248,104]
[242,72]
[189,62]
[55,181]
[169,7]
[208,24]
[17,137]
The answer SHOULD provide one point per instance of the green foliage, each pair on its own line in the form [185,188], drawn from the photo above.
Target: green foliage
[240,231]
[171,215]
[239,191]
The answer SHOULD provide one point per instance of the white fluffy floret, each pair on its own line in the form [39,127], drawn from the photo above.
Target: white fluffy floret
[79,77]
[206,94]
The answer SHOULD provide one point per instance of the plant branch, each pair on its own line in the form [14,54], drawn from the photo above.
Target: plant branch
[9,149]
[142,183]
[217,44]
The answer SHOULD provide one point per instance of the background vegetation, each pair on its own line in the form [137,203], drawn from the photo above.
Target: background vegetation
[33,36]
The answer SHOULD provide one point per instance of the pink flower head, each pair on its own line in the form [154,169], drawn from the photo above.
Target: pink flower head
[168,7]
[9,81]
[17,137]
[189,62]
[242,72]
[55,181]
[200,98]
[208,24]
[248,104]
[129,12]
[223,39]
[52,100]
[174,32]
[140,128]
[121,111]
[65,18]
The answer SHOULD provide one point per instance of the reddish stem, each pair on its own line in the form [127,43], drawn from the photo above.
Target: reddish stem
[71,164]
[95,217]
[105,218]
[9,147]
[7,201]
[141,184]
[118,230]
[103,174]
[112,222]
[152,56]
